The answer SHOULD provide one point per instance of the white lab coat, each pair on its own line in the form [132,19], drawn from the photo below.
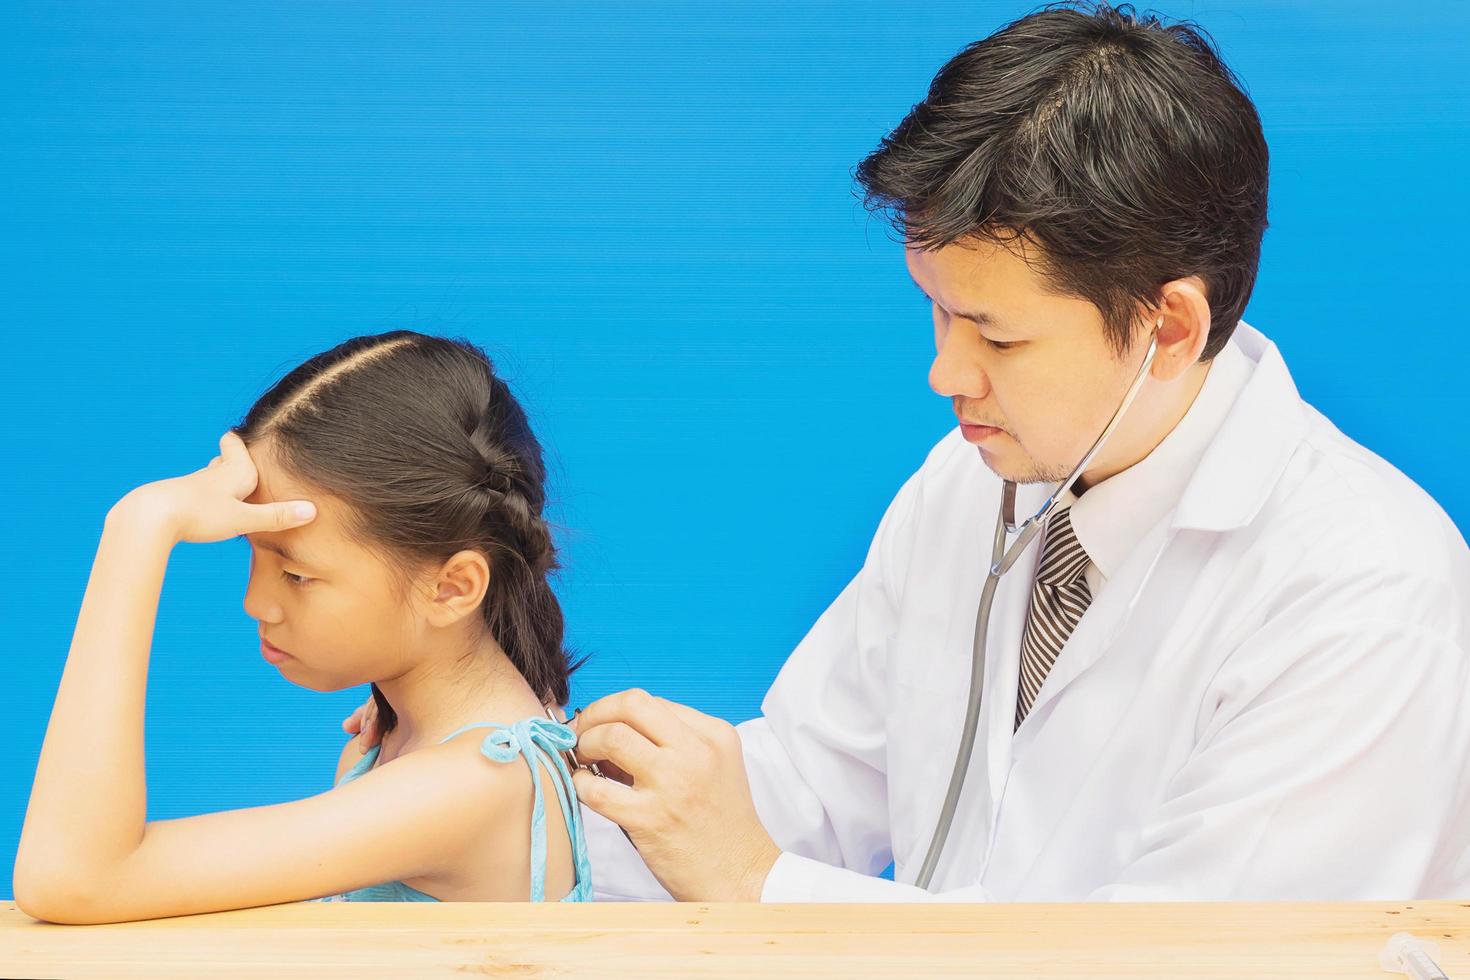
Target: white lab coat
[1265,701]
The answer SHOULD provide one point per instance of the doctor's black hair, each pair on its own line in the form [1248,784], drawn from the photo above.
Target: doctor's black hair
[434,455]
[1121,146]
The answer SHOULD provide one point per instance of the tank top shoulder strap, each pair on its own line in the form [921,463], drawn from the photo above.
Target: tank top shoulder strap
[360,766]
[537,739]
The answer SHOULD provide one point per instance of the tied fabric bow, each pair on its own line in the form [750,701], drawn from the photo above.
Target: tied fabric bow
[552,738]
[506,742]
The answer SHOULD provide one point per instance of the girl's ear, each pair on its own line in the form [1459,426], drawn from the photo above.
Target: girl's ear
[459,587]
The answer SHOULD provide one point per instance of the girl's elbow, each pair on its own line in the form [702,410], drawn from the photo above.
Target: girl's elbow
[52,904]
[57,898]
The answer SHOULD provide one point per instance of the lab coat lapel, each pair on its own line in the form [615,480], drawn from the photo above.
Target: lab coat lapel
[1098,629]
[1103,626]
[1003,651]
[975,815]
[1061,743]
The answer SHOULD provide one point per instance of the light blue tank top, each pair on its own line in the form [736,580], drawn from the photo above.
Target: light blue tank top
[535,739]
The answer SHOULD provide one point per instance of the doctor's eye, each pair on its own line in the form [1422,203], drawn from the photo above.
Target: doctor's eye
[1000,344]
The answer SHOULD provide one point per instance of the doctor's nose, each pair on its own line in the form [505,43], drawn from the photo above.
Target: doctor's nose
[957,369]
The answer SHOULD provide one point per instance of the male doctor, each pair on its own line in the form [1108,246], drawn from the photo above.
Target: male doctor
[1234,665]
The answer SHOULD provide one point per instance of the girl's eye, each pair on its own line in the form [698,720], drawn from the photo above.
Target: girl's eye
[296,580]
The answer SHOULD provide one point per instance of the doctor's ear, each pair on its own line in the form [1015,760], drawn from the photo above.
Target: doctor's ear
[1183,318]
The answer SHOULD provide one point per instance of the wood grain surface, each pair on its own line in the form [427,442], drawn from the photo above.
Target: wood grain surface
[1236,940]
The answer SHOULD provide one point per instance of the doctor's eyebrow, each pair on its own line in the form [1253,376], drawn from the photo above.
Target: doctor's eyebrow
[976,316]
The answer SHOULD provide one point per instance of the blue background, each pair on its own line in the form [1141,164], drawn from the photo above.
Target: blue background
[646,214]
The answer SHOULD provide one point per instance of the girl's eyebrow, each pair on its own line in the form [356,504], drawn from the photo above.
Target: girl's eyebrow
[281,550]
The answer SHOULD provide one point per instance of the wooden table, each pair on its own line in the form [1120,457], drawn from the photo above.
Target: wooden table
[355,940]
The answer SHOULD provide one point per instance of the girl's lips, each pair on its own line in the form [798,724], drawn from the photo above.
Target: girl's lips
[271,654]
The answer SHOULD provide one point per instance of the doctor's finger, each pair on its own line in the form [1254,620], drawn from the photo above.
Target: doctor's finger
[613,800]
[611,771]
[694,718]
[620,744]
[638,709]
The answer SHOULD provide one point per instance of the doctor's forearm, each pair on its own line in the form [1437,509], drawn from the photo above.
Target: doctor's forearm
[88,804]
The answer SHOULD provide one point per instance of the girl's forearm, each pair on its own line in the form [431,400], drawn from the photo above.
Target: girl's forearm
[88,804]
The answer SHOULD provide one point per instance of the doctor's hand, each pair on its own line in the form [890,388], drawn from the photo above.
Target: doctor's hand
[682,795]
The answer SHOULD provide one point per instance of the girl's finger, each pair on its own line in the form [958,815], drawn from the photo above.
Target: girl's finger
[233,452]
[230,443]
[371,733]
[352,724]
[280,516]
[215,462]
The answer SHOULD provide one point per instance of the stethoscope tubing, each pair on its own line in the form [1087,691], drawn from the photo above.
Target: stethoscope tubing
[1001,560]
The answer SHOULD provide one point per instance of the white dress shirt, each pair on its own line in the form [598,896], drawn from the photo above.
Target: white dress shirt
[1264,699]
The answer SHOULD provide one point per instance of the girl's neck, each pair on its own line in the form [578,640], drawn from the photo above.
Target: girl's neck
[431,701]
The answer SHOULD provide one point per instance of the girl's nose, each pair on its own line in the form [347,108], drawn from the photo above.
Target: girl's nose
[258,605]
[262,613]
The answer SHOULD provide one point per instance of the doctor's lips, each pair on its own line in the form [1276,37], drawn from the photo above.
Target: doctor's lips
[273,654]
[975,430]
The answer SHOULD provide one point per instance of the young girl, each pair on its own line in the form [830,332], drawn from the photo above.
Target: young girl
[390,491]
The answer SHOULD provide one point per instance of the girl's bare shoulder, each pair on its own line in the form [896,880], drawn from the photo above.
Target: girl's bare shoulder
[495,802]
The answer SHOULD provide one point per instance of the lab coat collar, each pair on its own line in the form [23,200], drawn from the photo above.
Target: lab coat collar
[1236,473]
[1219,464]
[1113,515]
[1245,460]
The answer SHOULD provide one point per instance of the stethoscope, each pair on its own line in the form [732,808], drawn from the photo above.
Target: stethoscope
[570,758]
[1000,562]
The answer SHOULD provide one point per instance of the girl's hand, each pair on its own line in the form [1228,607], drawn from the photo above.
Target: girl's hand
[364,724]
[209,504]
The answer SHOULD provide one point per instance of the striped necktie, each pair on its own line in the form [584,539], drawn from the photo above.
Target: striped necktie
[1059,597]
